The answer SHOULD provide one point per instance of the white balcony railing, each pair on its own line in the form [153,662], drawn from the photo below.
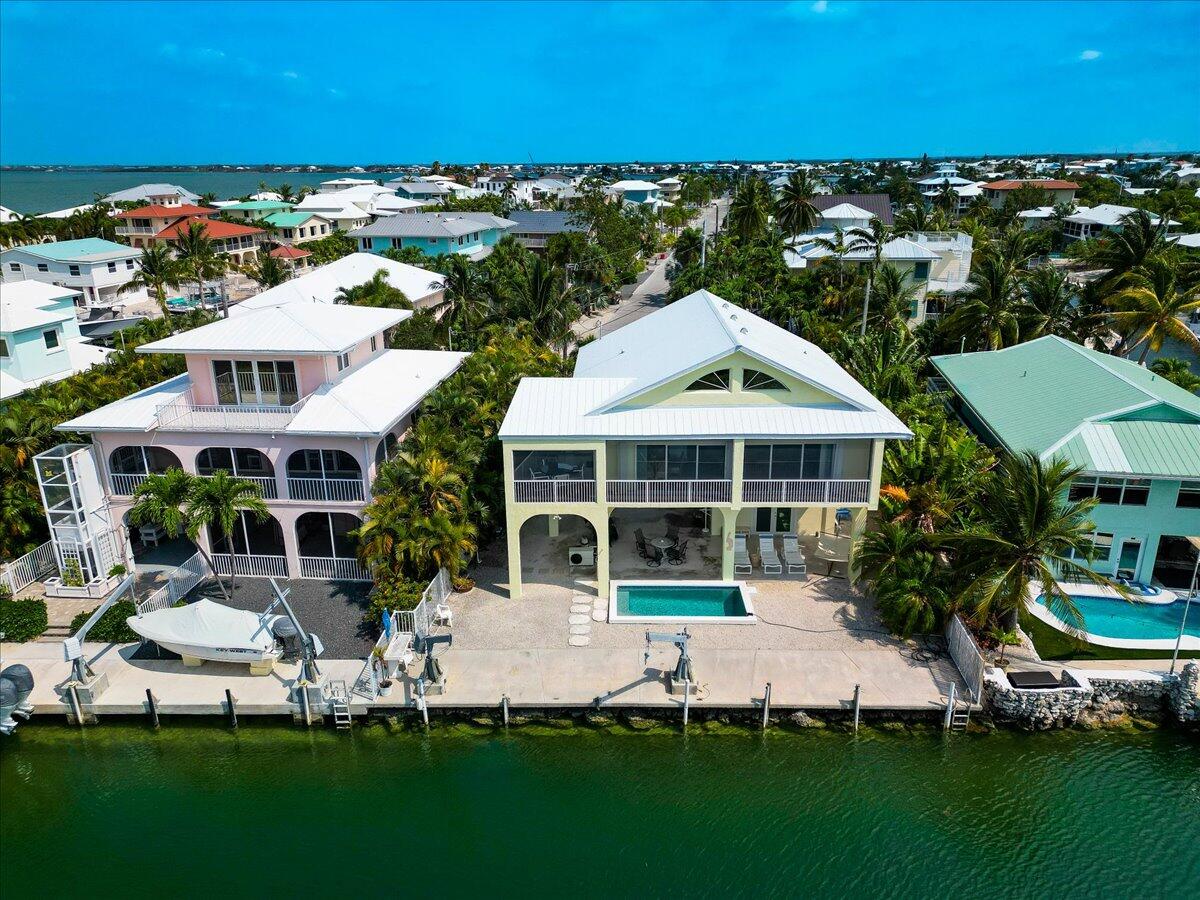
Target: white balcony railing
[266,484]
[124,485]
[333,568]
[776,491]
[652,491]
[184,414]
[555,490]
[251,566]
[135,229]
[338,490]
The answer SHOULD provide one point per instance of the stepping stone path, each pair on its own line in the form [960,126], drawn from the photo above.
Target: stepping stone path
[579,621]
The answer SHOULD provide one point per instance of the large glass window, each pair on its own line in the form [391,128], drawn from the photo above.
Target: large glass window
[789,462]
[235,460]
[1101,545]
[264,382]
[1115,491]
[1189,495]
[680,462]
[322,464]
[539,465]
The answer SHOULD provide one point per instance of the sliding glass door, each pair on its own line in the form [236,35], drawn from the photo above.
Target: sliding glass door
[255,382]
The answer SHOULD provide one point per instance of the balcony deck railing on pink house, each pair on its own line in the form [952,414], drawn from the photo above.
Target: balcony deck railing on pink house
[185,414]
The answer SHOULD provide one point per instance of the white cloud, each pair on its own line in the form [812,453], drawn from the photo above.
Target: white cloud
[820,6]
[290,74]
[1089,55]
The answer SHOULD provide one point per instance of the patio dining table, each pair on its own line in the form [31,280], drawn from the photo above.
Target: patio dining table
[662,543]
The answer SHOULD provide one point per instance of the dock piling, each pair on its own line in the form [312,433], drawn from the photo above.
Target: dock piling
[304,704]
[76,706]
[504,708]
[766,706]
[231,701]
[950,703]
[421,700]
[687,693]
[152,706]
[857,705]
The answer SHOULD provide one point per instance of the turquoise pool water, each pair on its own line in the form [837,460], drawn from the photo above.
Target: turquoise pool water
[682,600]
[1106,617]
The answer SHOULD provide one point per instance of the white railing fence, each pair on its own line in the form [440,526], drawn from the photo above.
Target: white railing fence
[266,484]
[806,491]
[253,566]
[184,414]
[966,655]
[25,570]
[329,489]
[674,491]
[417,621]
[123,485]
[551,490]
[193,571]
[333,568]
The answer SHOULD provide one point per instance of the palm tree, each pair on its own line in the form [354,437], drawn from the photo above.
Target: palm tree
[835,245]
[538,295]
[687,247]
[1177,371]
[157,270]
[887,362]
[1032,535]
[872,240]
[465,303]
[162,499]
[1125,250]
[220,501]
[285,193]
[750,209]
[794,209]
[894,295]
[376,292]
[197,255]
[990,307]
[1051,304]
[1151,305]
[268,271]
[913,219]
[880,554]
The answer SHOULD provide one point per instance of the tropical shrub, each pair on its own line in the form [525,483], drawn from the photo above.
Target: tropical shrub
[110,628]
[22,620]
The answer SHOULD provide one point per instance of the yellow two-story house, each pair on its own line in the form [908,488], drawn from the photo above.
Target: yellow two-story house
[700,417]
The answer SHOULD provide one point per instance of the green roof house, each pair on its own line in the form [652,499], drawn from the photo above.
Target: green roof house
[1135,435]
[249,210]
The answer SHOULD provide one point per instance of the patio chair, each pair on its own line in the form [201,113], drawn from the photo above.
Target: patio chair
[833,550]
[673,533]
[655,559]
[767,553]
[677,556]
[741,556]
[640,540]
[793,556]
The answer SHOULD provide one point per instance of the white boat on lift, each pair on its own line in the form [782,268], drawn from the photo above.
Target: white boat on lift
[205,630]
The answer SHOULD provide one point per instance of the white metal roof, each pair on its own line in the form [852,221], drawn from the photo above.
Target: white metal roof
[846,211]
[895,250]
[367,400]
[633,185]
[600,400]
[1108,214]
[81,354]
[23,305]
[296,328]
[321,285]
[373,397]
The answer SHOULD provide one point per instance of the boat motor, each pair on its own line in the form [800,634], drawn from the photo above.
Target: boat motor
[16,684]
[286,632]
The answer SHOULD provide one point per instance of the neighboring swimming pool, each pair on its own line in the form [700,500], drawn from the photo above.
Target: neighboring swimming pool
[712,602]
[1114,622]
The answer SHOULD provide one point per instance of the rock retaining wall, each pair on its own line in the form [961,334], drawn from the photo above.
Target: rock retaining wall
[1104,699]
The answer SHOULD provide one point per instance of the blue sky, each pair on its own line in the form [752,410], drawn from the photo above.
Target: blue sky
[357,83]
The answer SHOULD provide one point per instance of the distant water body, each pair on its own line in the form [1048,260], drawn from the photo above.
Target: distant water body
[202,811]
[39,192]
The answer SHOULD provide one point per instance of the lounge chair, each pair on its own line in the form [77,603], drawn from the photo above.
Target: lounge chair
[741,556]
[766,551]
[793,556]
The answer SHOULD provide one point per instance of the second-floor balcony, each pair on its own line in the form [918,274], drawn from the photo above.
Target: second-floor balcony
[678,491]
[135,229]
[185,414]
[803,492]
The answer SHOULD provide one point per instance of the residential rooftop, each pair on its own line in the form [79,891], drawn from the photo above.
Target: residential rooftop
[1104,413]
[306,329]
[81,250]
[545,221]
[321,285]
[23,305]
[432,225]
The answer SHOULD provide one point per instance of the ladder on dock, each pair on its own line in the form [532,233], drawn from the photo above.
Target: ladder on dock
[340,703]
[958,712]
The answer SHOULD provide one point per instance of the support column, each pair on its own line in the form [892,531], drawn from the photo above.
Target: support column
[876,474]
[738,464]
[729,516]
[858,524]
[602,575]
[513,522]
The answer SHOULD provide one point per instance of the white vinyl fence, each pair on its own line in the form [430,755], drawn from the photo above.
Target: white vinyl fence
[966,655]
[182,580]
[25,570]
[417,622]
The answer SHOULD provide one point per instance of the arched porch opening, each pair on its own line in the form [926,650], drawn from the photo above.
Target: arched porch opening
[244,462]
[128,466]
[329,475]
[327,547]
[255,547]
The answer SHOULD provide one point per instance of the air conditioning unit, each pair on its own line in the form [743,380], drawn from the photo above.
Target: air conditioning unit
[582,556]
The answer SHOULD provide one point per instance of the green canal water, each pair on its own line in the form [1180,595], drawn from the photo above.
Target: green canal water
[199,811]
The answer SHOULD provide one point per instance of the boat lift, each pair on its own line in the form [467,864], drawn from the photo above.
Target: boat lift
[682,678]
[310,646]
[432,673]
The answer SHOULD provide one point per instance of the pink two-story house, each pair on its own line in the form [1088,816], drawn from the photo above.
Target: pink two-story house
[305,400]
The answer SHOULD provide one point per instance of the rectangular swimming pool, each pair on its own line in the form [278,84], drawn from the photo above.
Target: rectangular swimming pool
[712,602]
